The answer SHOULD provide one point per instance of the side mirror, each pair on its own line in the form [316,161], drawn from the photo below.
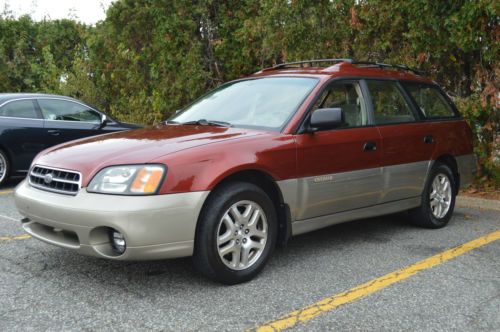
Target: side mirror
[104,121]
[326,118]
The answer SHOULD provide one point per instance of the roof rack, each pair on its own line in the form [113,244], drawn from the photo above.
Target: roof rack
[340,60]
[387,65]
[302,63]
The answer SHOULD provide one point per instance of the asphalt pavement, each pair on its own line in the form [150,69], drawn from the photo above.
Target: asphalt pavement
[43,287]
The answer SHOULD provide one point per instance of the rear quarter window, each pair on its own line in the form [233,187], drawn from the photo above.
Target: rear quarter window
[431,101]
[19,109]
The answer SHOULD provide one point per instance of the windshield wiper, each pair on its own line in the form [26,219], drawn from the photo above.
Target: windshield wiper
[205,122]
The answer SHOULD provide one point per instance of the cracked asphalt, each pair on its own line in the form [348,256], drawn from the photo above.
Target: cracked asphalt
[43,287]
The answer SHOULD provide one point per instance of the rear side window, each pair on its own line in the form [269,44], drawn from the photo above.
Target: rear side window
[389,105]
[431,101]
[19,109]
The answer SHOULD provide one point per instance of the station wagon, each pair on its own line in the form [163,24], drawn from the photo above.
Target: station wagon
[288,150]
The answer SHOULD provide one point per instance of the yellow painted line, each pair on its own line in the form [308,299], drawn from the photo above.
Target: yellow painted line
[328,304]
[6,192]
[13,238]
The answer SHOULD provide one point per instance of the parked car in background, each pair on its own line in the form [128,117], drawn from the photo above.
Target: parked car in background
[30,123]
[286,151]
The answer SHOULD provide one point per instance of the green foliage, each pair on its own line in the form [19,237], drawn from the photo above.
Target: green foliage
[151,57]
[485,125]
[34,56]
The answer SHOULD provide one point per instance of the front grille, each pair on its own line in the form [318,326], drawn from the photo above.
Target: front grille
[55,180]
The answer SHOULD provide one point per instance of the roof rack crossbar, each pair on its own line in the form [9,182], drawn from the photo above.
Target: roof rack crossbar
[382,65]
[310,62]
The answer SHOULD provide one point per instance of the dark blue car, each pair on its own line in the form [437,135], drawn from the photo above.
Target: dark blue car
[30,123]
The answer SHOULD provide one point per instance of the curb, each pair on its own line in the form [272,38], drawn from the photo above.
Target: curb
[478,203]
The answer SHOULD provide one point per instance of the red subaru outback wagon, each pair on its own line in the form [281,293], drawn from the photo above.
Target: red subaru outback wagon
[288,150]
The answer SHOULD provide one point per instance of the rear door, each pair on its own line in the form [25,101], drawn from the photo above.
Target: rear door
[66,120]
[339,169]
[21,133]
[407,142]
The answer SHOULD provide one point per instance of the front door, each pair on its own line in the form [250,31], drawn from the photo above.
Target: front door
[65,120]
[339,169]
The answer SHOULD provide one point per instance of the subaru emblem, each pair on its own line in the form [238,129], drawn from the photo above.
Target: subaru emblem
[48,178]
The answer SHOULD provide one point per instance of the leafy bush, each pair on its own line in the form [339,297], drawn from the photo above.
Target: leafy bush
[484,120]
[149,58]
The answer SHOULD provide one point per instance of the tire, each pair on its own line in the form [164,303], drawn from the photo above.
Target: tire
[229,247]
[4,167]
[436,211]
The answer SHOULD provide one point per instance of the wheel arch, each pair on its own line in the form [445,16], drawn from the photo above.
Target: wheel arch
[451,162]
[8,154]
[267,183]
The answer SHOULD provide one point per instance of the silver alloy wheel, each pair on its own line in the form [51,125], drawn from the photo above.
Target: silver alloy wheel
[3,167]
[441,195]
[242,235]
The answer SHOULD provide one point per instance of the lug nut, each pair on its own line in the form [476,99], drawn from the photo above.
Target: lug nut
[244,240]
[241,226]
[246,231]
[237,241]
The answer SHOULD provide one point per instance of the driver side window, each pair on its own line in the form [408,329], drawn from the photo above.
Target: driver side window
[347,97]
[63,110]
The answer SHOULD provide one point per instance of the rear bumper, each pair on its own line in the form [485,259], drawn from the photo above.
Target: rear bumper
[467,168]
[154,227]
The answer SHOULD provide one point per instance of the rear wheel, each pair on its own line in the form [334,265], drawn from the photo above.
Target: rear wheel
[438,199]
[4,167]
[236,233]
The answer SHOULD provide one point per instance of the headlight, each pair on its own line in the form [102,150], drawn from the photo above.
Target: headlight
[128,180]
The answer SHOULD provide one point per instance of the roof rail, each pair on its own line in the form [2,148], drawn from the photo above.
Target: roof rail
[387,65]
[302,63]
[347,60]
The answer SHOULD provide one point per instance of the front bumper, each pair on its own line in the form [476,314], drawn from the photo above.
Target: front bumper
[154,227]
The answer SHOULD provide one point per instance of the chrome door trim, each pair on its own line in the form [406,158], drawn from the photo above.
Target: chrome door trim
[18,118]
[16,99]
[49,98]
[71,101]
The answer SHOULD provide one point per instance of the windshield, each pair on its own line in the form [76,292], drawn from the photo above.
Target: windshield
[262,103]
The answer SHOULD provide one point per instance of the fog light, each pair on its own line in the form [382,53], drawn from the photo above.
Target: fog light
[118,241]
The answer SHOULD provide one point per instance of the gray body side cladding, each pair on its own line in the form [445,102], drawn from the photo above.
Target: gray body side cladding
[351,195]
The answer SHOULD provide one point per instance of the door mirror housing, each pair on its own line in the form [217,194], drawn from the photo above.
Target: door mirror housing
[104,121]
[326,118]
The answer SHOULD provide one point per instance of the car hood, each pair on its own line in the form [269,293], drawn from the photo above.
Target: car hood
[89,155]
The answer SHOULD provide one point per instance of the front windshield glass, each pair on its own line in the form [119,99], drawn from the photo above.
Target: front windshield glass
[260,103]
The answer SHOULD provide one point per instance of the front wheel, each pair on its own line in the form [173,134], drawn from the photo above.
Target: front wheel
[438,199]
[236,234]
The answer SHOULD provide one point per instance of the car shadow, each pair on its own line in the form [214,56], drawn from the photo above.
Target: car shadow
[145,275]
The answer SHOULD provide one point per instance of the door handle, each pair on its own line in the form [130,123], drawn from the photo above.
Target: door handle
[370,146]
[429,139]
[54,132]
